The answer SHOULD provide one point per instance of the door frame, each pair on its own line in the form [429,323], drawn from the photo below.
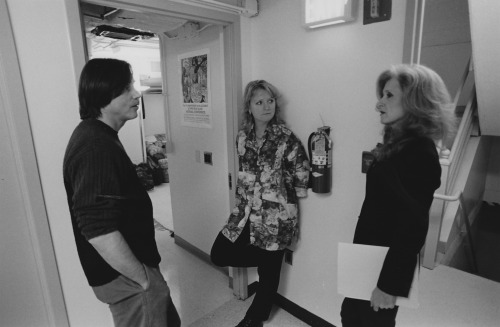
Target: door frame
[232,77]
[13,104]
[413,31]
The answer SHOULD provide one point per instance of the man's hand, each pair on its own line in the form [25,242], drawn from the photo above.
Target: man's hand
[382,300]
[115,251]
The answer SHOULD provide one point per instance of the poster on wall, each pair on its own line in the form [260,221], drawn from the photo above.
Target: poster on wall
[195,81]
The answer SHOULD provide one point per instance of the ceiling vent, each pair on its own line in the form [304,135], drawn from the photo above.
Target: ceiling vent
[121,33]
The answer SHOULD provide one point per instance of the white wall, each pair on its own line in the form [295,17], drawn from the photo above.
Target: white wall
[486,53]
[155,114]
[28,277]
[19,268]
[329,72]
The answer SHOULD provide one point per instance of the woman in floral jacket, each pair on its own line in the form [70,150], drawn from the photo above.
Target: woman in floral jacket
[273,174]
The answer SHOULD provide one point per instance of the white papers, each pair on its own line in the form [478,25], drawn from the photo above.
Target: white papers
[359,267]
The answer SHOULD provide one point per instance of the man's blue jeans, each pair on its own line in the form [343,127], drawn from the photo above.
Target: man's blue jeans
[131,305]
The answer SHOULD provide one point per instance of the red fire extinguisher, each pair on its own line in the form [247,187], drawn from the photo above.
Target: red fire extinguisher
[320,153]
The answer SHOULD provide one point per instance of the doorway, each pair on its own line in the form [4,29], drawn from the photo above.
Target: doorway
[144,138]
[201,195]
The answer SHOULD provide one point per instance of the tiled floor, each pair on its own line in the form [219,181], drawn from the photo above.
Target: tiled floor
[197,288]
[452,298]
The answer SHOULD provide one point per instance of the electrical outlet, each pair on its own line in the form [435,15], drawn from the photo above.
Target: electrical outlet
[289,256]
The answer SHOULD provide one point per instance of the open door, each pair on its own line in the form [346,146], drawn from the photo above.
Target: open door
[202,138]
[197,120]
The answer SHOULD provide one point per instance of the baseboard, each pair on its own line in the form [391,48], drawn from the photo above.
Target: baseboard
[301,313]
[287,305]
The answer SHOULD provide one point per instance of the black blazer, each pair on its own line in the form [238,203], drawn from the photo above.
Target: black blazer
[395,212]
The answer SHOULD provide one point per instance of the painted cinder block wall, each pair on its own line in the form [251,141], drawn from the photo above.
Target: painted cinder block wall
[327,74]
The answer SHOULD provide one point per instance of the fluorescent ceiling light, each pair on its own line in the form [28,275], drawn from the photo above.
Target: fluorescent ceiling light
[318,13]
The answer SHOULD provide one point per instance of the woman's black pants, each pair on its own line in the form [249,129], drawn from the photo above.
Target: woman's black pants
[242,254]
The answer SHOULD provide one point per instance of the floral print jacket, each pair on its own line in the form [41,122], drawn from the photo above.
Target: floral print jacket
[271,178]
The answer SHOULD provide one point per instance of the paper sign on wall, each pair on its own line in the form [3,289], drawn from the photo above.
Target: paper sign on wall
[195,82]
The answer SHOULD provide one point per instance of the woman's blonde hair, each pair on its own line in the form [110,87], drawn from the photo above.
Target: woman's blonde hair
[250,90]
[426,103]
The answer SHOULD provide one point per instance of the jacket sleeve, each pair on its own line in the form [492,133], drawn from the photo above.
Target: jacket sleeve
[298,166]
[411,200]
[97,200]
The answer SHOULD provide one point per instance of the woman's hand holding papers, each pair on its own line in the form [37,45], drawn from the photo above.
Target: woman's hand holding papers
[382,300]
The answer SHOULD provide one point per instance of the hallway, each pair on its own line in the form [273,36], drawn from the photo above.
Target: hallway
[448,297]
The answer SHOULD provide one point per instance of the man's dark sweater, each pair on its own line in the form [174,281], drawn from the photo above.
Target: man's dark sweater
[105,195]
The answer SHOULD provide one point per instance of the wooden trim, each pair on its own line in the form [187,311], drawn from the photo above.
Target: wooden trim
[233,83]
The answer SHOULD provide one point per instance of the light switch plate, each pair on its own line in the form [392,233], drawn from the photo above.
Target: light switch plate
[207,158]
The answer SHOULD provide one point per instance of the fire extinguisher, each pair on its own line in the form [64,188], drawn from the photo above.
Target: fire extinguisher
[320,152]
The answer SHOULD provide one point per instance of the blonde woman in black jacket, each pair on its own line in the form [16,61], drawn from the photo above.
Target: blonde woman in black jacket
[414,107]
